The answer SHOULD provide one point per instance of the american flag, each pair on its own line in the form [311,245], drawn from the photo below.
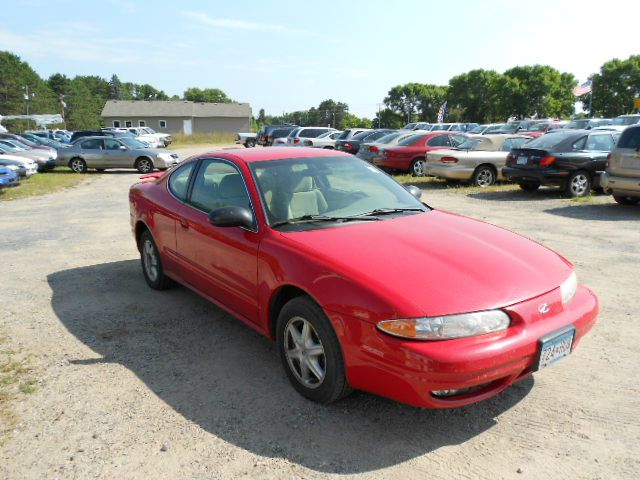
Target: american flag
[582,89]
[442,113]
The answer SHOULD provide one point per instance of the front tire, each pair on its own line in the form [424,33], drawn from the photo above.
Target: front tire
[484,176]
[250,143]
[151,263]
[144,165]
[578,184]
[310,351]
[626,200]
[417,167]
[78,165]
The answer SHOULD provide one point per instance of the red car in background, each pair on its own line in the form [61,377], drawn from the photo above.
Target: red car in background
[360,284]
[539,128]
[409,154]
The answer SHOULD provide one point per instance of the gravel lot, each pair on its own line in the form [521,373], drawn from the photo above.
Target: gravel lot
[134,383]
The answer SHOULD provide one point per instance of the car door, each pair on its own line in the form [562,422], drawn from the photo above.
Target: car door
[92,152]
[599,145]
[115,156]
[220,262]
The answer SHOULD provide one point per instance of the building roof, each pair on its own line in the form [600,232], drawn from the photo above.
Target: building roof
[173,108]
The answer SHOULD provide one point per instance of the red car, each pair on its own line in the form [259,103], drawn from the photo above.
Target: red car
[539,128]
[360,284]
[409,154]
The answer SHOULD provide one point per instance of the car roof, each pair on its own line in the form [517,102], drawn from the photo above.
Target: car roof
[251,155]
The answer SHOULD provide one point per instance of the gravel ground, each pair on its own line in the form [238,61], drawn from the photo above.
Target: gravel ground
[134,383]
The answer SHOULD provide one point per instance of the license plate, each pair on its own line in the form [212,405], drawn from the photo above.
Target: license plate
[522,160]
[555,346]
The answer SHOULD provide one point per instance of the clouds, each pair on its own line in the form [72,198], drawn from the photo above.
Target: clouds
[232,24]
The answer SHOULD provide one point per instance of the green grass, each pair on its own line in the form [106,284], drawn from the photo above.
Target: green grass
[43,183]
[432,183]
[15,380]
[182,140]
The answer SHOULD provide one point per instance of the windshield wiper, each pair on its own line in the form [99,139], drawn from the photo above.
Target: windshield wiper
[323,218]
[385,211]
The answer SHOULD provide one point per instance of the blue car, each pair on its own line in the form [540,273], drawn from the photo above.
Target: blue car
[8,177]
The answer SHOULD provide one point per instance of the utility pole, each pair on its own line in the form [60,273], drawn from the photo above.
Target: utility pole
[28,97]
[379,116]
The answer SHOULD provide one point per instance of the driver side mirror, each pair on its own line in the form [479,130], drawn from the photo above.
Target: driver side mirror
[415,191]
[231,217]
[122,147]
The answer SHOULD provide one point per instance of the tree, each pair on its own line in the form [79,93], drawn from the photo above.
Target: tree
[83,108]
[542,91]
[207,95]
[477,95]
[115,88]
[405,99]
[17,77]
[616,87]
[261,116]
[350,121]
[59,83]
[387,118]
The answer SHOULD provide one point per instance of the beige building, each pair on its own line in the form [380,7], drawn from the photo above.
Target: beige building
[177,116]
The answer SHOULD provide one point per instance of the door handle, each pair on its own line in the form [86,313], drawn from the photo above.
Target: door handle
[184,224]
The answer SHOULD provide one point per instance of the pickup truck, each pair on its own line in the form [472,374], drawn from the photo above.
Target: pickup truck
[247,139]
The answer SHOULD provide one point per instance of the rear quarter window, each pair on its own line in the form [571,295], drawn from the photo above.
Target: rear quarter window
[179,180]
[630,139]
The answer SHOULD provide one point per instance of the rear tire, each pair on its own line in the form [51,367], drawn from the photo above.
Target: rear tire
[529,187]
[250,143]
[484,176]
[78,165]
[626,200]
[417,167]
[151,263]
[578,184]
[310,351]
[144,165]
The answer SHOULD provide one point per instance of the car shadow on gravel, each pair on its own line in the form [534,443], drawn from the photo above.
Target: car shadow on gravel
[519,195]
[602,212]
[220,374]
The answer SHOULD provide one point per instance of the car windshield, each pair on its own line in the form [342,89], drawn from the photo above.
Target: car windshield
[410,140]
[625,120]
[409,126]
[293,132]
[578,124]
[477,130]
[538,127]
[15,145]
[329,187]
[133,143]
[389,138]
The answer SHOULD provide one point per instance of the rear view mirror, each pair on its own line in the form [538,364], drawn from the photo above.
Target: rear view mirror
[415,191]
[231,217]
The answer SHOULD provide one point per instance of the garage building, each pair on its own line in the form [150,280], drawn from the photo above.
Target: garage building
[178,116]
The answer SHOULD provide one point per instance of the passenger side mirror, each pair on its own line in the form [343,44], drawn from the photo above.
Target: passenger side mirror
[415,191]
[122,147]
[231,217]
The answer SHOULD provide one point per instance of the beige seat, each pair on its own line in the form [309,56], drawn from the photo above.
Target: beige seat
[305,199]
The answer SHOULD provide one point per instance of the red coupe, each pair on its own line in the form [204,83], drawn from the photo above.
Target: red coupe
[359,283]
[409,154]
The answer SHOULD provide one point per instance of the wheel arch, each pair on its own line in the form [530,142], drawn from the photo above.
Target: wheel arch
[140,228]
[143,157]
[279,298]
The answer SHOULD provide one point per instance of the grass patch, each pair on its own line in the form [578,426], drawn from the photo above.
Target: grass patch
[433,183]
[15,380]
[181,140]
[43,183]
[587,199]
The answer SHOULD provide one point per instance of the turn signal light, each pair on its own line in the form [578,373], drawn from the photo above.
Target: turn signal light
[609,160]
[296,140]
[348,146]
[373,148]
[449,160]
[547,160]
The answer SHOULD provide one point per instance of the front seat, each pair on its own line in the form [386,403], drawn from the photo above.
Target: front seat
[305,199]
[232,192]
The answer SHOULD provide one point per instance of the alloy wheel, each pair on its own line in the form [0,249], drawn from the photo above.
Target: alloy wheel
[77,165]
[150,260]
[304,352]
[579,184]
[145,166]
[418,168]
[485,178]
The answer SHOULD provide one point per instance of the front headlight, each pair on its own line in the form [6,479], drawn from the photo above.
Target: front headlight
[569,287]
[447,326]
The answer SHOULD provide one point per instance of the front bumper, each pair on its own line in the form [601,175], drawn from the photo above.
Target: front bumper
[626,186]
[408,371]
[166,162]
[47,165]
[453,171]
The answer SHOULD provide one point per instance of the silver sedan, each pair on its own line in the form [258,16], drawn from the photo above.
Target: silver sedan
[108,152]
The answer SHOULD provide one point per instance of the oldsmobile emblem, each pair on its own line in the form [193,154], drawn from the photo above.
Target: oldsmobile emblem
[544,308]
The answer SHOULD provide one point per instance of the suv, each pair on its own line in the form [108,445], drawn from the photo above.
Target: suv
[622,177]
[265,131]
[297,135]
[275,133]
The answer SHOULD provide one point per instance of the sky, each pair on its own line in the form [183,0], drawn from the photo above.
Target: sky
[291,55]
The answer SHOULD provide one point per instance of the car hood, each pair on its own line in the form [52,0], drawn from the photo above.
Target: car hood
[436,263]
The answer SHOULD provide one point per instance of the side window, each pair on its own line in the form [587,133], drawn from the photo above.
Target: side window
[601,143]
[457,140]
[93,144]
[179,180]
[579,144]
[439,141]
[218,184]
[111,144]
[127,123]
[630,138]
[162,124]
